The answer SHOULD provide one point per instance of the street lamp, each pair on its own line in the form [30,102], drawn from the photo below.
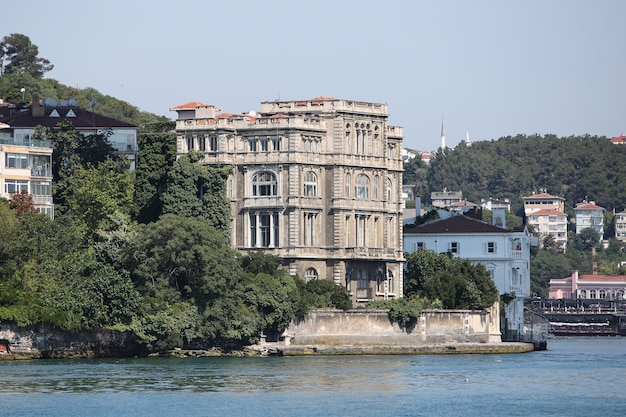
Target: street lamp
[23,90]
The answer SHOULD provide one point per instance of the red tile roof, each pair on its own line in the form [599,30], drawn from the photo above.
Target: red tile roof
[588,206]
[463,203]
[542,195]
[616,278]
[619,140]
[192,105]
[455,225]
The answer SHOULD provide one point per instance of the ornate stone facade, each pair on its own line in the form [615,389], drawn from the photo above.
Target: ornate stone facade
[317,182]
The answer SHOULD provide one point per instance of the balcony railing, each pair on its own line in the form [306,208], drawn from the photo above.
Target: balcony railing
[370,252]
[26,142]
[42,199]
[364,293]
[40,171]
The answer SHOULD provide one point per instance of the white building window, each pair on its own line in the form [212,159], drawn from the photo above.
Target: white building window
[310,275]
[276,143]
[348,185]
[389,190]
[360,230]
[212,143]
[15,186]
[264,184]
[454,247]
[310,223]
[490,247]
[376,187]
[362,187]
[16,160]
[419,245]
[310,184]
[264,230]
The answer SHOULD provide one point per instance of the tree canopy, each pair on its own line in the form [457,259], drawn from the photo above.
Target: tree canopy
[575,168]
[22,56]
[455,282]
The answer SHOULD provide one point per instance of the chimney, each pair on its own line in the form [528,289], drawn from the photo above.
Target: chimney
[574,284]
[37,108]
[418,207]
[498,217]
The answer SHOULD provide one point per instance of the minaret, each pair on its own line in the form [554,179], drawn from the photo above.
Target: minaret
[467,140]
[443,135]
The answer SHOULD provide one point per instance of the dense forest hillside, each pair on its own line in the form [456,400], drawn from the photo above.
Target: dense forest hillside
[575,168]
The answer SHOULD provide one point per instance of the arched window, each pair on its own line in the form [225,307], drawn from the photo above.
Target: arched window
[310,184]
[390,191]
[592,294]
[582,294]
[376,186]
[348,184]
[602,294]
[389,281]
[362,188]
[264,184]
[310,275]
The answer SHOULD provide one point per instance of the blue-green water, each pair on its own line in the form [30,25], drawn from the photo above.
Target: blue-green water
[575,377]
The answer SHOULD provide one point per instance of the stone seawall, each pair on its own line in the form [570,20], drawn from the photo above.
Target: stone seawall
[328,331]
[49,342]
[373,327]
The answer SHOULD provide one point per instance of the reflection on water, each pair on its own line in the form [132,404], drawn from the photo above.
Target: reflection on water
[574,377]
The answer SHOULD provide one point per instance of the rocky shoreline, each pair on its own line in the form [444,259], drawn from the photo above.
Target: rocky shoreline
[307,350]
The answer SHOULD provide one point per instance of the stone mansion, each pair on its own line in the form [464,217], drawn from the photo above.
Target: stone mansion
[317,182]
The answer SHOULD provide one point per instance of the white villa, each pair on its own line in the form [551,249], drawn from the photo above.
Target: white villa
[505,254]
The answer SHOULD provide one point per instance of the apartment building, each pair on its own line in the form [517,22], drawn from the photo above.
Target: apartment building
[317,182]
[25,163]
[546,214]
[23,121]
[589,215]
[620,225]
[550,222]
[445,198]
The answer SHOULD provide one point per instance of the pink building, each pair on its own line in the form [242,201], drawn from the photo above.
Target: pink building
[589,287]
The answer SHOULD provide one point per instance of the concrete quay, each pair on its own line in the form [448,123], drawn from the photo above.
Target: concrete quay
[435,349]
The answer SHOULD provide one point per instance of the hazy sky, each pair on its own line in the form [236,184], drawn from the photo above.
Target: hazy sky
[490,68]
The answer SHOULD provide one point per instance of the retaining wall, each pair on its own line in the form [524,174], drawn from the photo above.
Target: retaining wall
[336,327]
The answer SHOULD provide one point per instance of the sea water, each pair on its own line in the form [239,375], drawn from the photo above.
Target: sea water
[574,377]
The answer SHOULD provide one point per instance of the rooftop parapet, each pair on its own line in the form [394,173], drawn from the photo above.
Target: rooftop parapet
[324,104]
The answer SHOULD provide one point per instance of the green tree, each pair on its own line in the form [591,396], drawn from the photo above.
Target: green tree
[182,260]
[97,193]
[455,282]
[544,266]
[157,153]
[323,293]
[195,190]
[22,55]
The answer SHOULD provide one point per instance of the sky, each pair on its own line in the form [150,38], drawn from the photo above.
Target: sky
[485,68]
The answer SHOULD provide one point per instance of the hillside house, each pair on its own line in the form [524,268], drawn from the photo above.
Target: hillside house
[504,253]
